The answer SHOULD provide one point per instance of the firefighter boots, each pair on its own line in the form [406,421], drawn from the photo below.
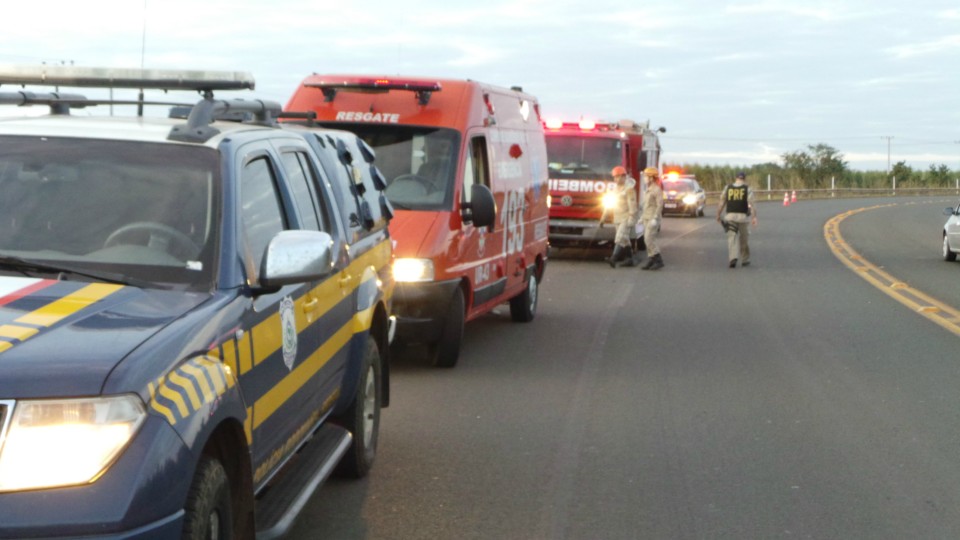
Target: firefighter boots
[628,259]
[615,257]
[653,263]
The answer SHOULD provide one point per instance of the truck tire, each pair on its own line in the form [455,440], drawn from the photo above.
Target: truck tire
[208,514]
[362,418]
[446,351]
[523,307]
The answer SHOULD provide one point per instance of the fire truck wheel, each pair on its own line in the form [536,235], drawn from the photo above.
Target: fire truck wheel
[523,307]
[362,418]
[208,512]
[446,351]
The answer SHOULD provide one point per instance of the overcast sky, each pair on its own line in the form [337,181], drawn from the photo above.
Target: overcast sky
[733,82]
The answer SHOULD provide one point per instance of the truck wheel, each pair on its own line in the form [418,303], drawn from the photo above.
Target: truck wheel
[208,515]
[362,418]
[523,307]
[446,351]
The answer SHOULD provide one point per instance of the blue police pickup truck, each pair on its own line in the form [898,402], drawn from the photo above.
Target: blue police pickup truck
[195,311]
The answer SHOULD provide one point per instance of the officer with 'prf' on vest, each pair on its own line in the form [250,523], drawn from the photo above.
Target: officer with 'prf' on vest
[736,213]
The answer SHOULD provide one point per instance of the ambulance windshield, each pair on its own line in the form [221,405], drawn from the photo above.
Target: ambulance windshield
[419,163]
[583,157]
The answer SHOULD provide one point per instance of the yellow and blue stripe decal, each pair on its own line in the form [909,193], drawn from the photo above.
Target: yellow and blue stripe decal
[244,351]
[28,313]
[187,389]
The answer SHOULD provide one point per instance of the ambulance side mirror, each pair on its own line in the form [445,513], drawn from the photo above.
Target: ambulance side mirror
[482,208]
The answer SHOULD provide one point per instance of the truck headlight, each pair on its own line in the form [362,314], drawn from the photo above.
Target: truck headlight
[407,270]
[55,443]
[609,200]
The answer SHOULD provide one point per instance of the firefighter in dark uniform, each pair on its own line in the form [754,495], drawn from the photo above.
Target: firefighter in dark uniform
[737,213]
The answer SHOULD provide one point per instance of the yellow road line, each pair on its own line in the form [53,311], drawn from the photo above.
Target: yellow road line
[920,302]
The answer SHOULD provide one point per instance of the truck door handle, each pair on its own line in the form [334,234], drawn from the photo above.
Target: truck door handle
[344,282]
[309,305]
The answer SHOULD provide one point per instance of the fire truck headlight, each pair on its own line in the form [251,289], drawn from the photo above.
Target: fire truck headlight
[609,201]
[410,270]
[689,198]
[66,442]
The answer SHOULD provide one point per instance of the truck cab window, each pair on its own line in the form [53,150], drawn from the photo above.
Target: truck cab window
[476,166]
[261,209]
[303,182]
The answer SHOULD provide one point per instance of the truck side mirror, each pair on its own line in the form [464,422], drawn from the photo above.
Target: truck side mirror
[482,208]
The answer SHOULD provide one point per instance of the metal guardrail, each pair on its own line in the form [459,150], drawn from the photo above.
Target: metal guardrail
[713,197]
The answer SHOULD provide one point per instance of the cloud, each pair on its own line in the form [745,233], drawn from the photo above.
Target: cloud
[944,44]
[793,9]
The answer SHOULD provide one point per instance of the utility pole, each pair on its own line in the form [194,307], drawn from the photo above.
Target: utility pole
[888,138]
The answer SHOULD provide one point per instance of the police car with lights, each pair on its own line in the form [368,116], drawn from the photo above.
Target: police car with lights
[194,313]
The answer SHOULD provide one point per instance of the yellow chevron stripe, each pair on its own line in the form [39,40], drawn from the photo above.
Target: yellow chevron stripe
[216,373]
[200,379]
[187,385]
[176,398]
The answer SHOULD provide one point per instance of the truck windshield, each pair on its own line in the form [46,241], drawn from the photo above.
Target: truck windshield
[133,210]
[583,157]
[419,163]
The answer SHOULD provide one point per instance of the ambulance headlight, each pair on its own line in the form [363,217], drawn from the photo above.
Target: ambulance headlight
[65,442]
[409,270]
[609,201]
[689,198]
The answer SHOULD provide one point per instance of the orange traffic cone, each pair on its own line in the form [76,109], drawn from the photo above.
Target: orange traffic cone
[786,199]
[793,197]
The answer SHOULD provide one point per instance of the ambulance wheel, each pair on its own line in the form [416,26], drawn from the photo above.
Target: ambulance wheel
[362,419]
[523,307]
[446,351]
[207,514]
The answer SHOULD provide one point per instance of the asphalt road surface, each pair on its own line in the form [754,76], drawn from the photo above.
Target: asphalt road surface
[789,399]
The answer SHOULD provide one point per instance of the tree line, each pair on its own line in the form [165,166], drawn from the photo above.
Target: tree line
[817,167]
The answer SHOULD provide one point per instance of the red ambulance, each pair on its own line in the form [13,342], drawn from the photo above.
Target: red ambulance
[465,169]
[581,156]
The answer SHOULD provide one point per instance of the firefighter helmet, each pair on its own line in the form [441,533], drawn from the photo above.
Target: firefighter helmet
[618,171]
[650,171]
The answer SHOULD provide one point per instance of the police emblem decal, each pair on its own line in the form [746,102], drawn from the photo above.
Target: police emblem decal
[288,328]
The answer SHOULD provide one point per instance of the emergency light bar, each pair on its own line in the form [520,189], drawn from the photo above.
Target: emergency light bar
[423,89]
[154,79]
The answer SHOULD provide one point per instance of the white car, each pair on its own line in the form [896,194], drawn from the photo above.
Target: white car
[951,233]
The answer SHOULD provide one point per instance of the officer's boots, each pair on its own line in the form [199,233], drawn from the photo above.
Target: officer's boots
[615,257]
[628,258]
[653,263]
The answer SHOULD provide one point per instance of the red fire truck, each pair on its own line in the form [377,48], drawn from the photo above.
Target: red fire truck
[581,155]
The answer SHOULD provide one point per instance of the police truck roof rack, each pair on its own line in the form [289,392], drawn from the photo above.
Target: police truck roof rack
[58,103]
[423,89]
[197,128]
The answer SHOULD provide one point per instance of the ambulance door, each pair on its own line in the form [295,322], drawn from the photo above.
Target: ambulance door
[481,245]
